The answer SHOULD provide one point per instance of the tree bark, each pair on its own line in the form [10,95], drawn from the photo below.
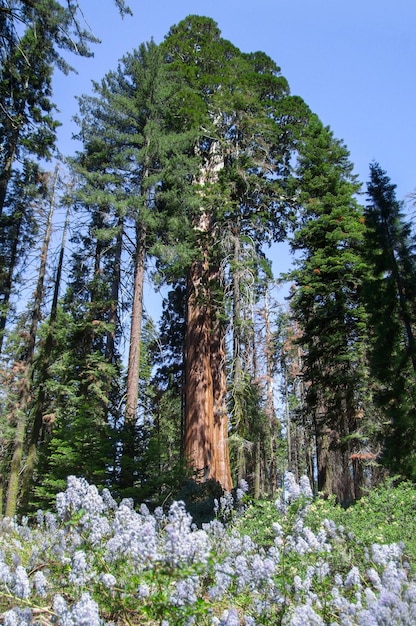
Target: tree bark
[199,401]
[7,281]
[133,370]
[221,458]
[38,419]
[26,363]
[206,419]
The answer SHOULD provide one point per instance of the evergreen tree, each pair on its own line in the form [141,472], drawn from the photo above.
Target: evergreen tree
[328,308]
[246,125]
[41,419]
[18,230]
[33,37]
[127,143]
[27,125]
[25,364]
[390,297]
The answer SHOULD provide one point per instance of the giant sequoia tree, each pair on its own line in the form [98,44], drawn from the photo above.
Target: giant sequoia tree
[246,124]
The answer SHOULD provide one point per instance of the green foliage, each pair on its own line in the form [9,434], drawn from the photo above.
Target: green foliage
[257,521]
[77,436]
[390,297]
[326,302]
[274,563]
[385,515]
[194,152]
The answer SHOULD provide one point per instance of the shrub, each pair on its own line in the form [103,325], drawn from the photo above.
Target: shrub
[96,562]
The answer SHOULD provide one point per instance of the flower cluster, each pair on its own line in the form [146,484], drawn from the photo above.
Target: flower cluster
[96,562]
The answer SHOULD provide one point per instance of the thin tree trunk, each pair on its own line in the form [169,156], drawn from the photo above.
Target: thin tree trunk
[115,288]
[8,278]
[257,470]
[6,173]
[135,330]
[26,364]
[237,372]
[133,371]
[221,458]
[269,408]
[32,452]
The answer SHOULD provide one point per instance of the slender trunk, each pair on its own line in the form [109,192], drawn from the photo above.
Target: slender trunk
[401,291]
[269,408]
[6,173]
[26,363]
[221,470]
[288,426]
[133,371]
[237,372]
[6,288]
[135,330]
[404,313]
[257,470]
[38,419]
[115,288]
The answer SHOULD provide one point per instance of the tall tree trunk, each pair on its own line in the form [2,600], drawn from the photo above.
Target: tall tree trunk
[404,309]
[7,282]
[133,371]
[221,458]
[38,418]
[206,422]
[206,416]
[26,365]
[115,288]
[199,403]
[6,172]
[269,407]
[237,370]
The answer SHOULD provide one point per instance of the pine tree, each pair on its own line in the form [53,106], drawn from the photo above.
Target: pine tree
[33,37]
[18,231]
[25,364]
[27,125]
[391,302]
[41,417]
[328,308]
[126,145]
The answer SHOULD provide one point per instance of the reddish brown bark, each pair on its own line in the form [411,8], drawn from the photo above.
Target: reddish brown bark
[206,420]
[221,460]
[198,378]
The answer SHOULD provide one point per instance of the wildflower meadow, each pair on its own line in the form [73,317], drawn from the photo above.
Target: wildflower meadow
[97,562]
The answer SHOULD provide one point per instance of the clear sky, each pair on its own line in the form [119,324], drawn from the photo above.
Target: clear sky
[353,62]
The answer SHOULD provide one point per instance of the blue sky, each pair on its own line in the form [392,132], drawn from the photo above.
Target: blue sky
[352,62]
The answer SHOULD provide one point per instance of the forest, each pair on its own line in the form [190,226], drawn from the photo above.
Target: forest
[195,162]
